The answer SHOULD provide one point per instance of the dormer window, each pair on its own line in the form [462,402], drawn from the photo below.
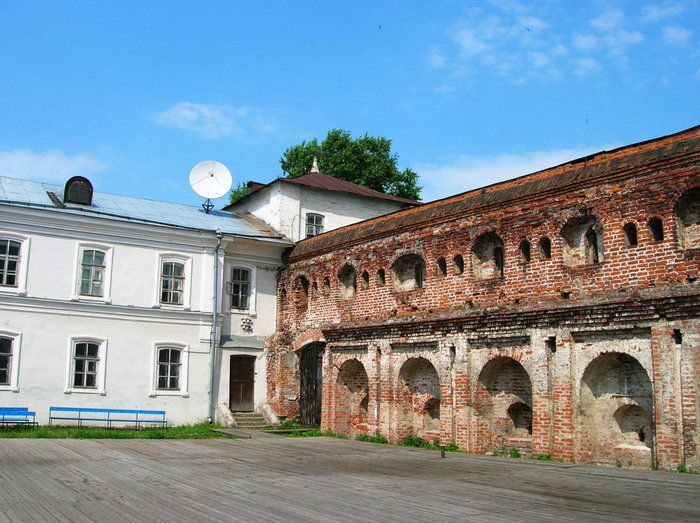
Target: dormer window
[78,190]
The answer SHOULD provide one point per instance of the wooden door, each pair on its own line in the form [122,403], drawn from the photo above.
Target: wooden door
[310,385]
[242,384]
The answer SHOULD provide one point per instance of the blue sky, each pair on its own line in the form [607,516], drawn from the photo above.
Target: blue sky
[134,94]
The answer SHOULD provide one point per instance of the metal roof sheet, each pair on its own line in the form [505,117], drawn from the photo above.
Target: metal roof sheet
[14,191]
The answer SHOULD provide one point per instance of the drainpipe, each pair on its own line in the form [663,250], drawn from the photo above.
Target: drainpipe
[212,337]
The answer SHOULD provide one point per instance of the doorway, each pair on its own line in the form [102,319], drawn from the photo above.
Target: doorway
[310,384]
[242,384]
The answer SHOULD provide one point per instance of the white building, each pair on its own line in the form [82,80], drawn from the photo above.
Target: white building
[314,203]
[107,301]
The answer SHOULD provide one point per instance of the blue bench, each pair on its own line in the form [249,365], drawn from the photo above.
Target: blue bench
[121,416]
[17,416]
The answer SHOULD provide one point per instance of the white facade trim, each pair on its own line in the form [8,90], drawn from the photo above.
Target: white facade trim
[229,265]
[184,370]
[22,260]
[186,261]
[101,366]
[16,338]
[107,275]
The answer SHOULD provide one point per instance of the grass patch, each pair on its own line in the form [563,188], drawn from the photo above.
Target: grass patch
[374,438]
[198,431]
[686,469]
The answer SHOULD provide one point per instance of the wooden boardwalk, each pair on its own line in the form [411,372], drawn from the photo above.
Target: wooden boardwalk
[272,478]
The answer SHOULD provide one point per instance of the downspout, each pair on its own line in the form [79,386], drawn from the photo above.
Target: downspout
[212,337]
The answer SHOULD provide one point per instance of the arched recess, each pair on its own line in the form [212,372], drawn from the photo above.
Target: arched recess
[616,411]
[408,273]
[418,399]
[503,403]
[311,383]
[488,257]
[301,292]
[347,282]
[583,241]
[351,399]
[687,216]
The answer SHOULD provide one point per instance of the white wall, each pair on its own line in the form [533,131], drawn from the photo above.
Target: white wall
[284,205]
[129,322]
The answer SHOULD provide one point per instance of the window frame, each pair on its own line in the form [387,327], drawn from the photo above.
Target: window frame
[20,287]
[99,387]
[184,349]
[186,262]
[15,353]
[252,269]
[106,273]
[312,223]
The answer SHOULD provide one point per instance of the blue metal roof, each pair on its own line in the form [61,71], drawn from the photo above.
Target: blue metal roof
[14,191]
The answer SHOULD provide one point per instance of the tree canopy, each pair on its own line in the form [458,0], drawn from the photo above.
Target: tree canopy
[366,161]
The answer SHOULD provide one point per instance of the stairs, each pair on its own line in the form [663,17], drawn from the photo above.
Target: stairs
[249,420]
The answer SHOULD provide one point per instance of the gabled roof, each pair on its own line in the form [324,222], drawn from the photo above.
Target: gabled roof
[47,196]
[323,181]
[620,163]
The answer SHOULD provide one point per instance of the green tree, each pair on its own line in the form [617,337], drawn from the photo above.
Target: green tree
[237,192]
[366,161]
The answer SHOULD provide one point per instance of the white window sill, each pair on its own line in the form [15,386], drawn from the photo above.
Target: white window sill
[156,393]
[85,391]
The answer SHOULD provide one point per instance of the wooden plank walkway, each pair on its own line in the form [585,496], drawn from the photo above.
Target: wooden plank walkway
[272,478]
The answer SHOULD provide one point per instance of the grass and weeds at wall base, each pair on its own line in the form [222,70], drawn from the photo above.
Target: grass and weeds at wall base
[686,469]
[198,431]
[374,438]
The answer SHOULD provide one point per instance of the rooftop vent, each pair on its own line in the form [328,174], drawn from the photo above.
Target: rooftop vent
[78,190]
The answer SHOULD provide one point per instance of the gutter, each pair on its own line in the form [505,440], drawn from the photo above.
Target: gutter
[212,337]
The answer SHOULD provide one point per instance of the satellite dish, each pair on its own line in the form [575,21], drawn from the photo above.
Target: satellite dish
[210,179]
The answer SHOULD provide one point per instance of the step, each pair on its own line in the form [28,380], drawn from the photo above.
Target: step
[249,420]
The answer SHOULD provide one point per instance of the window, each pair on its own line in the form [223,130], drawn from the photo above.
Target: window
[656,228]
[239,287]
[442,267]
[5,360]
[170,370]
[524,249]
[630,234]
[85,360]
[9,262]
[172,283]
[78,190]
[169,364]
[92,272]
[314,224]
[545,246]
[458,264]
[10,343]
[86,366]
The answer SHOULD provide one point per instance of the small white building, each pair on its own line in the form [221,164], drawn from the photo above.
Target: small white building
[107,301]
[314,203]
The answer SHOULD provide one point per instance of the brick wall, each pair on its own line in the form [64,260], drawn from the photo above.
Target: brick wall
[488,318]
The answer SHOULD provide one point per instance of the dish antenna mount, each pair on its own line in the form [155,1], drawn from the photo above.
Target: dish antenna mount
[210,179]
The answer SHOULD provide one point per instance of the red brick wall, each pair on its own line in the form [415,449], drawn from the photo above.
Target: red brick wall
[471,317]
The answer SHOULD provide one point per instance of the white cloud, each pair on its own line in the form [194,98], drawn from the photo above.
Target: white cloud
[213,121]
[539,59]
[675,35]
[654,13]
[49,166]
[468,172]
[437,58]
[586,66]
[608,20]
[469,44]
[586,43]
